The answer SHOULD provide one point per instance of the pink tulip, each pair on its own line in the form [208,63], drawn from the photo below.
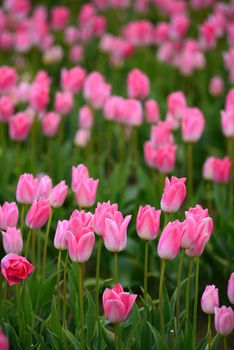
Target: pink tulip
[26,189]
[44,186]
[161,134]
[8,78]
[148,222]
[222,170]
[4,343]
[18,8]
[12,240]
[114,108]
[86,192]
[61,235]
[216,86]
[59,17]
[115,231]
[63,102]
[132,113]
[227,121]
[101,212]
[165,158]
[117,304]
[38,214]
[50,124]
[19,127]
[170,241]
[149,154]
[152,113]
[173,195]
[15,268]
[71,35]
[229,100]
[76,54]
[85,118]
[208,168]
[230,290]
[9,215]
[79,173]
[82,137]
[96,91]
[224,320]
[53,54]
[6,108]
[39,96]
[72,80]
[176,103]
[193,123]
[58,195]
[210,299]
[138,84]
[81,238]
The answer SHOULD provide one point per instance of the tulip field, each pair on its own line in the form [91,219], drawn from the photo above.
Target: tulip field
[117,175]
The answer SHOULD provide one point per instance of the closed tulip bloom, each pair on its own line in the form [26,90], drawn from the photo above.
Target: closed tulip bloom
[4,343]
[176,102]
[170,241]
[85,120]
[72,79]
[161,134]
[224,320]
[58,195]
[148,222]
[6,108]
[208,168]
[210,299]
[38,213]
[190,232]
[50,124]
[193,123]
[152,113]
[117,304]
[132,112]
[59,17]
[165,158]
[86,192]
[216,86]
[19,126]
[138,84]
[8,78]
[79,173]
[26,189]
[115,232]
[173,195]
[44,186]
[222,170]
[230,290]
[9,215]
[149,154]
[12,240]
[15,268]
[63,102]
[61,235]
[39,96]
[230,100]
[96,91]
[227,122]
[82,137]
[101,212]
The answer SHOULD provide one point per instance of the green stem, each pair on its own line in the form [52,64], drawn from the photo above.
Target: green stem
[33,247]
[46,243]
[39,248]
[195,303]
[98,272]
[17,295]
[209,332]
[58,280]
[225,345]
[81,296]
[162,271]
[188,286]
[116,267]
[22,218]
[65,292]
[117,337]
[146,268]
[178,288]
[28,242]
[166,219]
[190,169]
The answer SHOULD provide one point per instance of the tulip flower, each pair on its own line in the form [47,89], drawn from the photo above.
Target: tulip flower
[224,320]
[193,123]
[8,78]
[86,192]
[12,240]
[72,80]
[4,343]
[85,120]
[79,173]
[26,189]
[9,215]
[50,124]
[63,102]
[161,134]
[44,186]
[58,195]
[82,137]
[152,113]
[230,290]
[173,195]
[138,84]
[38,214]
[216,86]
[165,158]
[61,235]
[15,268]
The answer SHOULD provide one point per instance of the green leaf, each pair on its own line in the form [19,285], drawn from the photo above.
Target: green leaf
[158,338]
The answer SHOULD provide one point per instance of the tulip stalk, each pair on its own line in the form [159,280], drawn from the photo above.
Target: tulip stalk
[58,280]
[28,242]
[225,345]
[116,267]
[98,272]
[117,336]
[22,218]
[46,242]
[188,286]
[178,288]
[146,268]
[195,303]
[209,335]
[190,169]
[81,297]
[65,292]
[162,272]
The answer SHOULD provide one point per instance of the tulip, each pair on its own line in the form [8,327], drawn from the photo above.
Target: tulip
[50,124]
[61,236]
[216,86]
[4,343]
[58,195]
[193,123]
[85,118]
[224,320]
[72,80]
[12,240]
[19,127]
[170,241]
[152,113]
[8,78]
[9,215]
[6,108]
[138,84]
[15,268]
[208,168]
[63,102]
[82,137]
[96,91]
[86,192]
[44,186]
[38,214]
[173,195]
[148,222]
[230,290]
[26,189]
[59,17]
[176,103]
[164,158]
[210,299]
[161,134]
[39,95]
[79,173]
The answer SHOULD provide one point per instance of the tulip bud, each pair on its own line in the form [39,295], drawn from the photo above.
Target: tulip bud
[170,241]
[50,124]
[38,213]
[138,84]
[173,195]
[193,123]
[224,320]
[210,299]
[9,215]
[86,192]
[79,173]
[148,222]
[101,213]
[152,113]
[26,189]
[58,195]
[44,186]
[12,240]
[15,268]
[19,127]
[230,290]
[61,236]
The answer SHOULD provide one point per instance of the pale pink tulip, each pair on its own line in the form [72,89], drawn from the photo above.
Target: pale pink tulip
[148,222]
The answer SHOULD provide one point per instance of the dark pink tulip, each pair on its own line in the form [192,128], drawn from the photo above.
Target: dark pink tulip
[176,102]
[210,299]
[26,190]
[6,108]
[79,173]
[4,343]
[115,231]
[138,84]
[8,78]
[165,158]
[39,96]
[193,123]
[101,213]
[224,320]
[18,8]
[9,215]
[61,235]
[152,113]
[173,195]
[72,80]
[58,195]
[38,213]
[230,290]
[59,17]
[170,241]
[12,240]
[117,304]
[63,102]
[222,170]
[85,120]
[19,126]
[86,192]
[50,124]
[148,222]
[44,186]
[15,268]
[161,134]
